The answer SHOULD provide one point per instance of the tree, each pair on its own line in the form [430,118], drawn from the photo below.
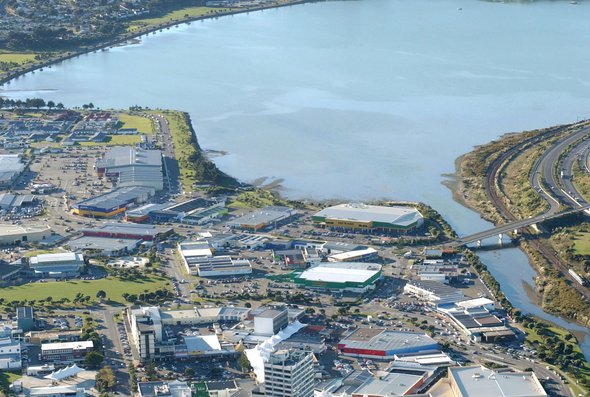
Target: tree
[50,104]
[189,372]
[105,379]
[101,295]
[244,362]
[93,360]
[150,372]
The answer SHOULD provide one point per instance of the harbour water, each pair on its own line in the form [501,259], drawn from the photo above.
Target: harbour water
[359,100]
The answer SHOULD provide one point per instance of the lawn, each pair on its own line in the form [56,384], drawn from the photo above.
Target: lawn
[582,244]
[17,57]
[140,123]
[178,15]
[114,287]
[116,140]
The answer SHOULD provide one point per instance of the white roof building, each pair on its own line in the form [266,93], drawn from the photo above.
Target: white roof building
[483,382]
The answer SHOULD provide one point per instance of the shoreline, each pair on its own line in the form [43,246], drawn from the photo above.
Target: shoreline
[135,36]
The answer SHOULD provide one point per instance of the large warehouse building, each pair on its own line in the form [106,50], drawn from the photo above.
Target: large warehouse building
[112,203]
[133,167]
[370,218]
[11,166]
[381,344]
[15,234]
[346,276]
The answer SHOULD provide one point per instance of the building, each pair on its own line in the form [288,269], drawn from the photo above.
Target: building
[267,217]
[130,231]
[480,381]
[25,318]
[198,259]
[370,218]
[146,329]
[289,373]
[10,353]
[66,352]
[114,202]
[16,234]
[11,166]
[9,201]
[402,382]
[103,246]
[270,321]
[433,292]
[131,166]
[160,388]
[311,338]
[345,276]
[57,391]
[381,344]
[364,255]
[65,264]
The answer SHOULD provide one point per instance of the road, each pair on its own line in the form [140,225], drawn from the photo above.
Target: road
[168,154]
[549,167]
[113,349]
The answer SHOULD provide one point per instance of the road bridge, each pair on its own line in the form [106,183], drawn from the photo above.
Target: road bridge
[510,227]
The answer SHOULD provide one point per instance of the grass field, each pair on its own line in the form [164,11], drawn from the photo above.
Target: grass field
[178,15]
[142,124]
[17,57]
[114,287]
[582,244]
[116,140]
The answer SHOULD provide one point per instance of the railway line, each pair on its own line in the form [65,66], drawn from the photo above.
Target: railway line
[550,160]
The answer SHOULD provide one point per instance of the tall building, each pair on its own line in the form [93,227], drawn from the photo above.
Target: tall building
[289,373]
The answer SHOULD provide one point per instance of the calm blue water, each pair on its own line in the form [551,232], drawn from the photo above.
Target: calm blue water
[356,100]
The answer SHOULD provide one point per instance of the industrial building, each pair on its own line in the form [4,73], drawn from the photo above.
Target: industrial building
[196,211]
[11,166]
[9,201]
[267,217]
[129,231]
[289,373]
[66,352]
[132,166]
[114,202]
[346,276]
[382,344]
[369,218]
[160,388]
[480,381]
[16,234]
[433,292]
[60,265]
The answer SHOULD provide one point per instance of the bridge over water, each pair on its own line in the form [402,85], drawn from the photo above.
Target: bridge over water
[501,230]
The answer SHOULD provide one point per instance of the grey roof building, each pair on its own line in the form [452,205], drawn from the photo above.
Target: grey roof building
[133,166]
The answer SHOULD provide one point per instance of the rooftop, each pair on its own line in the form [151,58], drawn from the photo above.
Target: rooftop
[117,197]
[101,243]
[82,344]
[484,382]
[381,339]
[341,272]
[127,155]
[398,215]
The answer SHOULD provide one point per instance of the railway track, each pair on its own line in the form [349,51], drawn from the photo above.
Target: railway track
[492,191]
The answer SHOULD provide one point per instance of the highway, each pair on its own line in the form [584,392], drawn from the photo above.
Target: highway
[551,164]
[168,155]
